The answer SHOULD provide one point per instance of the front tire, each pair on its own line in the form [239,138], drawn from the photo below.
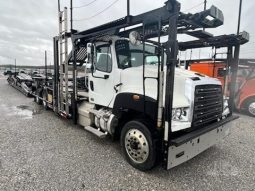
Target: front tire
[138,146]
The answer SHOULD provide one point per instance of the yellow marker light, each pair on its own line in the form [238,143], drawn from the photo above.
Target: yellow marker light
[136,97]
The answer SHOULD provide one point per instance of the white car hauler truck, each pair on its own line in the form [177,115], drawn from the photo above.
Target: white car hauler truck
[132,89]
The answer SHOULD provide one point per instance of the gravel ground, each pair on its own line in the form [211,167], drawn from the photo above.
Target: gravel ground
[40,151]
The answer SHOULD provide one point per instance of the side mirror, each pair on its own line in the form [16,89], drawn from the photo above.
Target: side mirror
[90,52]
[135,38]
[90,57]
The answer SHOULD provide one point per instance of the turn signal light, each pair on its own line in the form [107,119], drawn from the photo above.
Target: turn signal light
[136,97]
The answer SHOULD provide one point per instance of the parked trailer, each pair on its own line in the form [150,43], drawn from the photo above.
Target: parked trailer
[42,89]
[133,91]
[21,81]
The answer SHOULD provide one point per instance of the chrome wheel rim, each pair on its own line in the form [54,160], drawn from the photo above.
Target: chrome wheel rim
[252,108]
[136,146]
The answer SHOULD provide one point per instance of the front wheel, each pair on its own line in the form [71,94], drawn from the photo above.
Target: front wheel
[138,146]
[251,107]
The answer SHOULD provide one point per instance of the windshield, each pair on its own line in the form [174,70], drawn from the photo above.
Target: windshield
[129,55]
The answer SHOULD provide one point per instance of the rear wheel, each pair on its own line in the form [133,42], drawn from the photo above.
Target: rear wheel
[138,146]
[250,107]
[37,97]
[45,103]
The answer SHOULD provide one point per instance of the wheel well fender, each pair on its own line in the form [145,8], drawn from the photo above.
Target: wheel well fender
[126,108]
[136,103]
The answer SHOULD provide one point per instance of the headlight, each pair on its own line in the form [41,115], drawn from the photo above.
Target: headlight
[180,114]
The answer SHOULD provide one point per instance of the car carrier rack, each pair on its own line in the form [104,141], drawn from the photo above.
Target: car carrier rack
[167,21]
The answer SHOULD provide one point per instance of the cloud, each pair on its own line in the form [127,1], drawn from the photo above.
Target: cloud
[28,26]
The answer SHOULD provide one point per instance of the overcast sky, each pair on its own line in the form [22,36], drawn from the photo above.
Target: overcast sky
[28,26]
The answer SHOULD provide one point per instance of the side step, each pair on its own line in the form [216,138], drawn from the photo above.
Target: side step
[96,132]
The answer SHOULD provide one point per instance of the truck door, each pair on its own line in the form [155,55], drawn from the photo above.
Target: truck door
[101,88]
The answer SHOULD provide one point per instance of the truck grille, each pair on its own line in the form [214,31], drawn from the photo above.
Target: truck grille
[208,105]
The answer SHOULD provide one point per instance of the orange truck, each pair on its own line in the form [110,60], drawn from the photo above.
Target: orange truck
[245,88]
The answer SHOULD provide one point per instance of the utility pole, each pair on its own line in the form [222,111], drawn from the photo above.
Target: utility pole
[128,7]
[15,67]
[239,17]
[205,5]
[128,11]
[45,57]
[58,6]
[71,15]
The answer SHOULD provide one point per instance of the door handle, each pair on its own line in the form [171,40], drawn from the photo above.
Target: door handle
[106,77]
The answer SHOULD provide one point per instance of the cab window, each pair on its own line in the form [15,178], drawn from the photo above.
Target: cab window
[129,56]
[104,58]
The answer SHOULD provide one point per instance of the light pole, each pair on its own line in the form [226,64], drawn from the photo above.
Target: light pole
[205,5]
[239,17]
[45,57]
[15,67]
[71,16]
[128,7]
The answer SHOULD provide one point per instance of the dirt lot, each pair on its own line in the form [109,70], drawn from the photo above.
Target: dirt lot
[40,151]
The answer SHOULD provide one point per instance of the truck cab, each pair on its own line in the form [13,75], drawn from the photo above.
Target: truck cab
[117,75]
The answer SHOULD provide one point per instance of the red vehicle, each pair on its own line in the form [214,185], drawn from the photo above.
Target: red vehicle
[245,88]
[245,97]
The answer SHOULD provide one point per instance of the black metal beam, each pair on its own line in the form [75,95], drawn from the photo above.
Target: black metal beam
[56,75]
[171,61]
[185,22]
[74,93]
[217,41]
[233,69]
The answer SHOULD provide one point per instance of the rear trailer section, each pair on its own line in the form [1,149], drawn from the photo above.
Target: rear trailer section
[190,145]
[21,82]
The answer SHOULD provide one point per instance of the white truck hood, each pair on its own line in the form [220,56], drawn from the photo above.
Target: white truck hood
[132,81]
